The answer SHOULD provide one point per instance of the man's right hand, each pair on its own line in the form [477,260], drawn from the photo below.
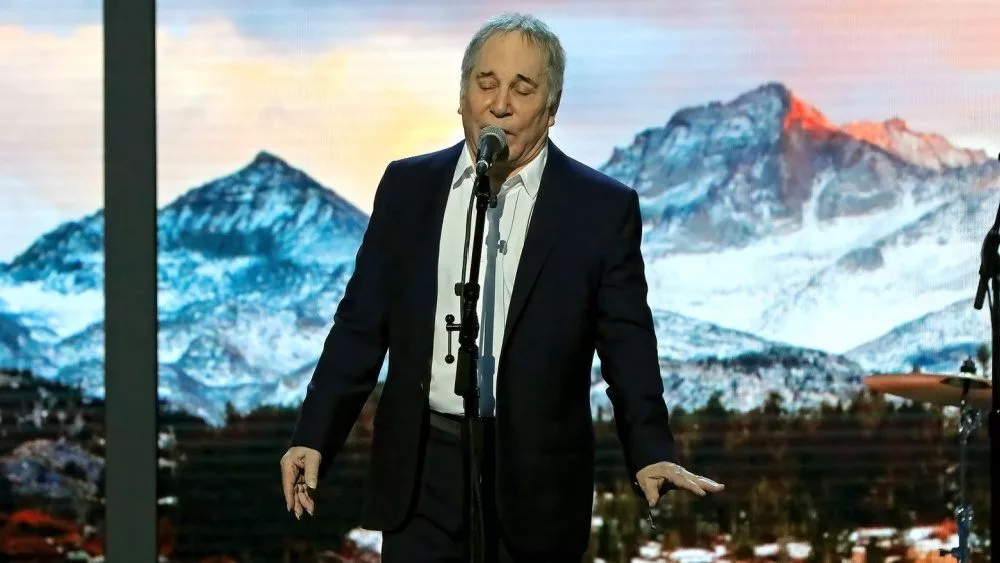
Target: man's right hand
[299,473]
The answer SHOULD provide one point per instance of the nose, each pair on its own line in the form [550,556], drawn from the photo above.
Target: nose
[501,104]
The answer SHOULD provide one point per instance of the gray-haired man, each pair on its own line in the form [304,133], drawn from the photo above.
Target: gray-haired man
[562,276]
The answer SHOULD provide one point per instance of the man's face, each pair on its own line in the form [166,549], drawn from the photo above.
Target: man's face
[509,88]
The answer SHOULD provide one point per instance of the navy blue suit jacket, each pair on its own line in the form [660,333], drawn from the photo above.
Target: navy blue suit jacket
[580,287]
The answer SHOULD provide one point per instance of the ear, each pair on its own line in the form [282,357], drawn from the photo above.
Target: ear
[554,109]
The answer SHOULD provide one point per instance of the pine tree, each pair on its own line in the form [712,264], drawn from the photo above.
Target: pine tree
[984,356]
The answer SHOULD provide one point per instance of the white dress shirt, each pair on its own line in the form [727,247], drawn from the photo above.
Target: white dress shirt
[503,239]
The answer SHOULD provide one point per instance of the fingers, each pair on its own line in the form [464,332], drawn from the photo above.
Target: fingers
[300,498]
[289,475]
[709,485]
[304,499]
[686,481]
[311,471]
[697,484]
[299,477]
[651,488]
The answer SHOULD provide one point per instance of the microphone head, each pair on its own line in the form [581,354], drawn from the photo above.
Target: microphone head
[492,148]
[493,131]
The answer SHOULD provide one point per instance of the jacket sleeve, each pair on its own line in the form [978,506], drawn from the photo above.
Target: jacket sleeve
[626,345]
[356,345]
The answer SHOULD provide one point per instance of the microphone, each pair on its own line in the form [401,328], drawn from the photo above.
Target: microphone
[492,146]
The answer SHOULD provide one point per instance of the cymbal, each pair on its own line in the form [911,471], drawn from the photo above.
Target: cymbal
[938,388]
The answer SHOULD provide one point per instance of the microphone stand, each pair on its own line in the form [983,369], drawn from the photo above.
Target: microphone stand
[466,374]
[989,270]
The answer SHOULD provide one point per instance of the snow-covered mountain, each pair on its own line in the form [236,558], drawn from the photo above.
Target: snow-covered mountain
[937,341]
[802,377]
[928,150]
[775,242]
[699,359]
[685,338]
[251,267]
[763,216]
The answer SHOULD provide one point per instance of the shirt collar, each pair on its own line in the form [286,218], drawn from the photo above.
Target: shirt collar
[530,176]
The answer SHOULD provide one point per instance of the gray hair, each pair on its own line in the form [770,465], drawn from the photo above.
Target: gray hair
[536,32]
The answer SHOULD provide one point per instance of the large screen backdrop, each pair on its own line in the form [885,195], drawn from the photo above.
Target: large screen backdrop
[815,180]
[51,281]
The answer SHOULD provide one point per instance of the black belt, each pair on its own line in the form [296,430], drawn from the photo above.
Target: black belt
[448,423]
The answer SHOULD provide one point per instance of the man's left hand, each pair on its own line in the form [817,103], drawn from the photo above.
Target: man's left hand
[651,476]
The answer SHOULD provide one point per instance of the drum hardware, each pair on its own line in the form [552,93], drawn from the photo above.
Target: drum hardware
[971,394]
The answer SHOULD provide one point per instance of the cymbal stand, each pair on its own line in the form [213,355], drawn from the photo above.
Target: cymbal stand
[969,421]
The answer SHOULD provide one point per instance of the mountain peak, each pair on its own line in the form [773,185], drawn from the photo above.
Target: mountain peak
[774,104]
[893,135]
[266,210]
[928,150]
[727,173]
[267,159]
[268,207]
[806,117]
[896,123]
[771,89]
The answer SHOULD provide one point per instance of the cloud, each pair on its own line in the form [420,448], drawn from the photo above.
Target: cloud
[51,15]
[318,25]
[870,33]
[340,90]
[341,115]
[51,141]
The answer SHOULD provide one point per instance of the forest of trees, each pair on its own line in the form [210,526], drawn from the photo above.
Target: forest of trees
[810,475]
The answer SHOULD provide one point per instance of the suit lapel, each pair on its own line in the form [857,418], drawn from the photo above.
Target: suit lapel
[551,206]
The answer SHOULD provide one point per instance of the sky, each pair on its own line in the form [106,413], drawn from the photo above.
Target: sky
[339,89]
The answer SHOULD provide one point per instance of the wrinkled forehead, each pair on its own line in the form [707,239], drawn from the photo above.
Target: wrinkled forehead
[509,56]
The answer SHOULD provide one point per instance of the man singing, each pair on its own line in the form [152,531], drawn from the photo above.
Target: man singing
[561,276]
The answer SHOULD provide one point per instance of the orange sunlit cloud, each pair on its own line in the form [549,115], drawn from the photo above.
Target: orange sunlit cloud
[341,115]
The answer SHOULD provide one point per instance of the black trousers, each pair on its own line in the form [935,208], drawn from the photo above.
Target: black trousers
[435,530]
